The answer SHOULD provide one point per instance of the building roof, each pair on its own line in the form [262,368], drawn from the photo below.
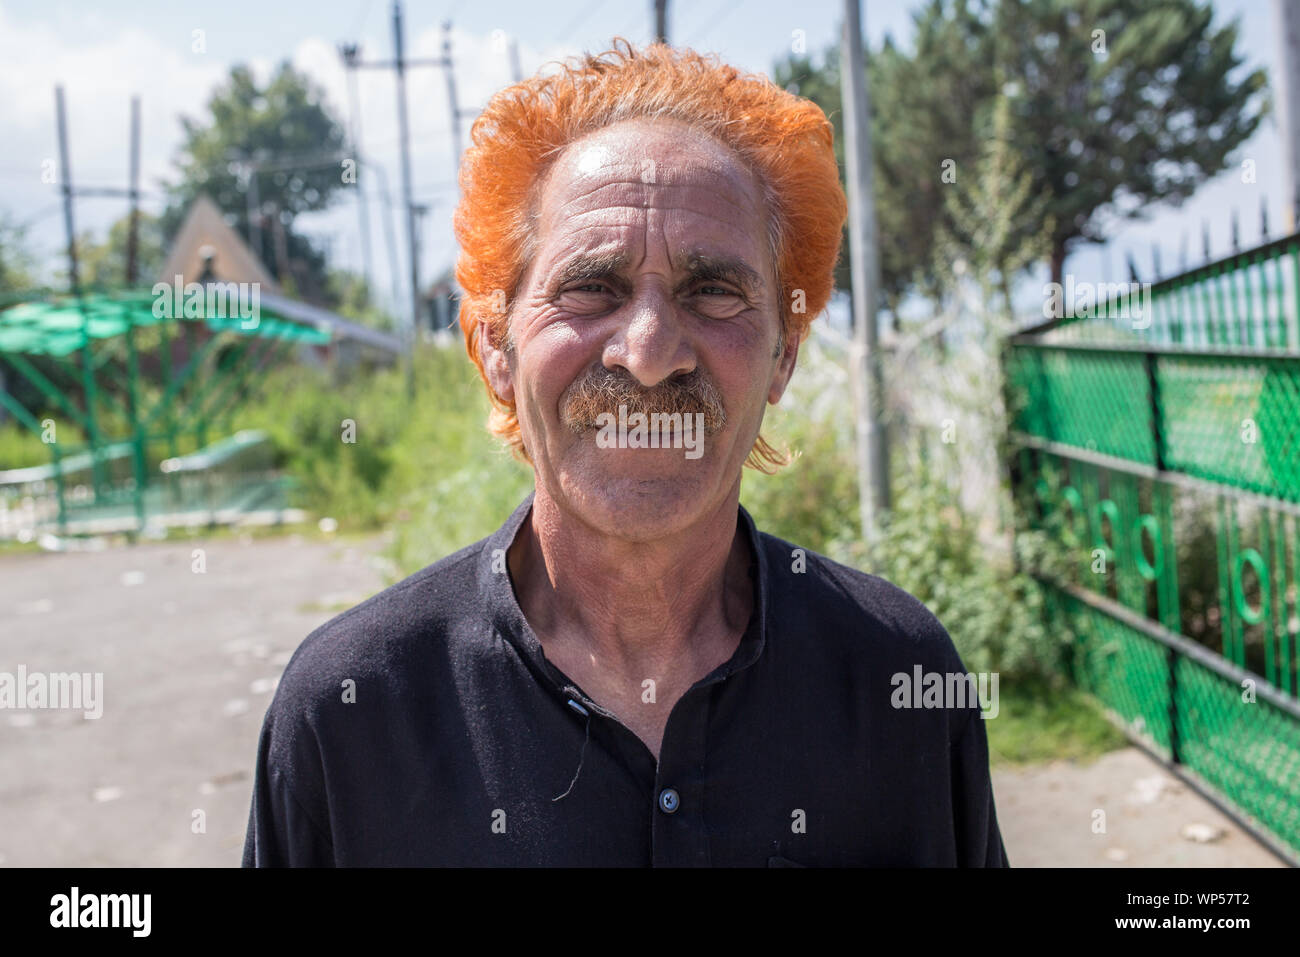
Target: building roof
[205,231]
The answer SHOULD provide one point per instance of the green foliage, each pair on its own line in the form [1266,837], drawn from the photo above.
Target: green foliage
[427,468]
[1104,124]
[930,548]
[1119,104]
[103,265]
[295,146]
[353,299]
[996,224]
[924,107]
[1048,720]
[16,263]
[20,447]
[812,502]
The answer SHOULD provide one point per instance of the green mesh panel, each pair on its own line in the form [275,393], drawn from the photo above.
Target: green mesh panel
[1245,301]
[1122,668]
[1233,420]
[1094,400]
[1228,419]
[1250,751]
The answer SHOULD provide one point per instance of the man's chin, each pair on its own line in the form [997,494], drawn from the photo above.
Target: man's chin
[640,493]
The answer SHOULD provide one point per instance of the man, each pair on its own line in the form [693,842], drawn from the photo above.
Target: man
[628,673]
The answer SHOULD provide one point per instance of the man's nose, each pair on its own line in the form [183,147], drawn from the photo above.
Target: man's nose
[652,346]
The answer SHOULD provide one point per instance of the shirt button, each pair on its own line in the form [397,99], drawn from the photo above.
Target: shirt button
[669,800]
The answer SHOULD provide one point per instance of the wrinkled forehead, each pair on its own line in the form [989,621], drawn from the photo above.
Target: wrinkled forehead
[664,161]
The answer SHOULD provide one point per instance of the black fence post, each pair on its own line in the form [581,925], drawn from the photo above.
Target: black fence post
[1158,451]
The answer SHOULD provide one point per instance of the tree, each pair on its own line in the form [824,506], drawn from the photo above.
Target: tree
[353,300]
[1121,104]
[924,108]
[996,224]
[16,264]
[104,264]
[1115,105]
[282,139]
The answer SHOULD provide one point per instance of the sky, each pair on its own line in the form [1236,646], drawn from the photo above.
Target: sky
[148,47]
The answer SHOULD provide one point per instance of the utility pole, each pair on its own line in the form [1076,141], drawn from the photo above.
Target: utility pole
[349,54]
[404,132]
[133,226]
[1287,85]
[516,71]
[131,194]
[864,261]
[400,64]
[74,281]
[65,181]
[454,110]
[661,21]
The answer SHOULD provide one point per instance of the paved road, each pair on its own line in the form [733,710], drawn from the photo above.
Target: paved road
[190,659]
[1049,817]
[189,662]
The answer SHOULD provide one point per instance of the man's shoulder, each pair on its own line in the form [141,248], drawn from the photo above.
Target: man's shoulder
[437,591]
[381,632]
[865,610]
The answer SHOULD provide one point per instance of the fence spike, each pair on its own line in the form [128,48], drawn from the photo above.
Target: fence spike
[1205,240]
[1236,232]
[1263,219]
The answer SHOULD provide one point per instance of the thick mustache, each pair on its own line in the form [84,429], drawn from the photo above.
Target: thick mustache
[603,390]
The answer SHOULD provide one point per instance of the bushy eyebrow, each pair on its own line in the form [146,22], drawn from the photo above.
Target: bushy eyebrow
[700,266]
[588,266]
[725,269]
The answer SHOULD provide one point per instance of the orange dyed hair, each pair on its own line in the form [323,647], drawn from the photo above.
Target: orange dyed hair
[785,140]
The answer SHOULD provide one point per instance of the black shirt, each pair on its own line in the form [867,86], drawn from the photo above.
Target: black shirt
[426,727]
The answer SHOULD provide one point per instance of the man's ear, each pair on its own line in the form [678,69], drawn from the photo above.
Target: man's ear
[496,364]
[784,369]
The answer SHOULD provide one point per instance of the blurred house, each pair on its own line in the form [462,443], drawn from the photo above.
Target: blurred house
[207,249]
[442,303]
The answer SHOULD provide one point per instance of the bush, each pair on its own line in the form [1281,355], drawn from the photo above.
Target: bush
[929,546]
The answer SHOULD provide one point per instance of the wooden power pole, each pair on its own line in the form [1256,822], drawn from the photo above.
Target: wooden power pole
[864,262]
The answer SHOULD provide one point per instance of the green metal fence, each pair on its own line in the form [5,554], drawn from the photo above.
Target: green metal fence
[84,359]
[1246,300]
[1159,458]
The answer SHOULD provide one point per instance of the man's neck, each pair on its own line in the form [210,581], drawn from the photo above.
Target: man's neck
[627,609]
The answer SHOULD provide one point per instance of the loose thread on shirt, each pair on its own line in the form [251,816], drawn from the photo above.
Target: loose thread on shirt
[582,755]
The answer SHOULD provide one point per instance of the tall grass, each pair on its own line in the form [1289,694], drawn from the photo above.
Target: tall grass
[426,469]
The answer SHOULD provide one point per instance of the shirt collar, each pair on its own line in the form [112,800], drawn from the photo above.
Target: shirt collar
[498,593]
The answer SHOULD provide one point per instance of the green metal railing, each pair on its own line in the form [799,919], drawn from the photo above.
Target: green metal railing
[1246,300]
[1225,417]
[226,479]
[1159,461]
[83,357]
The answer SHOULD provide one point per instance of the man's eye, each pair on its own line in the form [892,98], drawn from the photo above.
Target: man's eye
[588,287]
[725,292]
